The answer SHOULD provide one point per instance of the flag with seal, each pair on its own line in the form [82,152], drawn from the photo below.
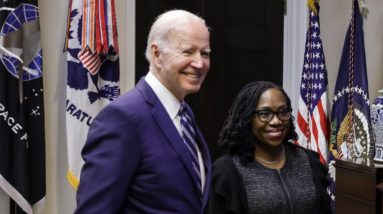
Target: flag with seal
[351,131]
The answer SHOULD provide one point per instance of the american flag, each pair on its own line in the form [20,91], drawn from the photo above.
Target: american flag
[312,117]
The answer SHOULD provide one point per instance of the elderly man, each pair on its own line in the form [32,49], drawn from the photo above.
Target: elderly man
[144,152]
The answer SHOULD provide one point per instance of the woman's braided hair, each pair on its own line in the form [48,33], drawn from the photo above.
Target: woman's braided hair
[236,136]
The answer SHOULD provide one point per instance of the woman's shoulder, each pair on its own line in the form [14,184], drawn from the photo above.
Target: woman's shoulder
[227,186]
[312,156]
[310,153]
[225,161]
[225,166]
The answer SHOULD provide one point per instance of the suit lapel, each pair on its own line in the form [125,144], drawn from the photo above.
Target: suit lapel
[166,125]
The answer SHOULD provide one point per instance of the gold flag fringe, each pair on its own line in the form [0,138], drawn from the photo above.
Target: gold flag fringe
[311,5]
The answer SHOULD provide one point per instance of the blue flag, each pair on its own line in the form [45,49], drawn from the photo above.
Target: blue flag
[22,145]
[350,120]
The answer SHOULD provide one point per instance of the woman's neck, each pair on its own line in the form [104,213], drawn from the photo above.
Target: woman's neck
[272,157]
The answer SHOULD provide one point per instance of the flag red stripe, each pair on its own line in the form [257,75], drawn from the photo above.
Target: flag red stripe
[302,124]
[98,46]
[314,128]
[114,26]
[323,120]
[315,134]
[104,32]
[84,20]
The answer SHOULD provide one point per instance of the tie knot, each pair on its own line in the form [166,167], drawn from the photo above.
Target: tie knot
[182,110]
[186,121]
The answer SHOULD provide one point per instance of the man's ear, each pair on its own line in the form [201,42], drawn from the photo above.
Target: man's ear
[155,52]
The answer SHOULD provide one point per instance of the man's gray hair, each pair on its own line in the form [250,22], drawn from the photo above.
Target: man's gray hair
[164,24]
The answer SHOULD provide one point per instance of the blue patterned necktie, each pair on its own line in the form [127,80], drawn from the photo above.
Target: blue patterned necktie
[189,139]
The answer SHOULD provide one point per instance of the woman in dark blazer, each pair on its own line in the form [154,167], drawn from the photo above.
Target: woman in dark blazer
[262,170]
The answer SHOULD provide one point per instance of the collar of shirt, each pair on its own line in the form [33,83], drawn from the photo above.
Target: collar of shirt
[168,100]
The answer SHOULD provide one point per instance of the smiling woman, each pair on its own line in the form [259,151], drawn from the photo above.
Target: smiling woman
[263,171]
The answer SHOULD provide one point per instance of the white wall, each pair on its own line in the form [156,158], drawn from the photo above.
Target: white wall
[295,27]
[335,17]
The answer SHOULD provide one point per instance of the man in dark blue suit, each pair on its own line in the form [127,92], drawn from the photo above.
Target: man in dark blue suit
[136,157]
